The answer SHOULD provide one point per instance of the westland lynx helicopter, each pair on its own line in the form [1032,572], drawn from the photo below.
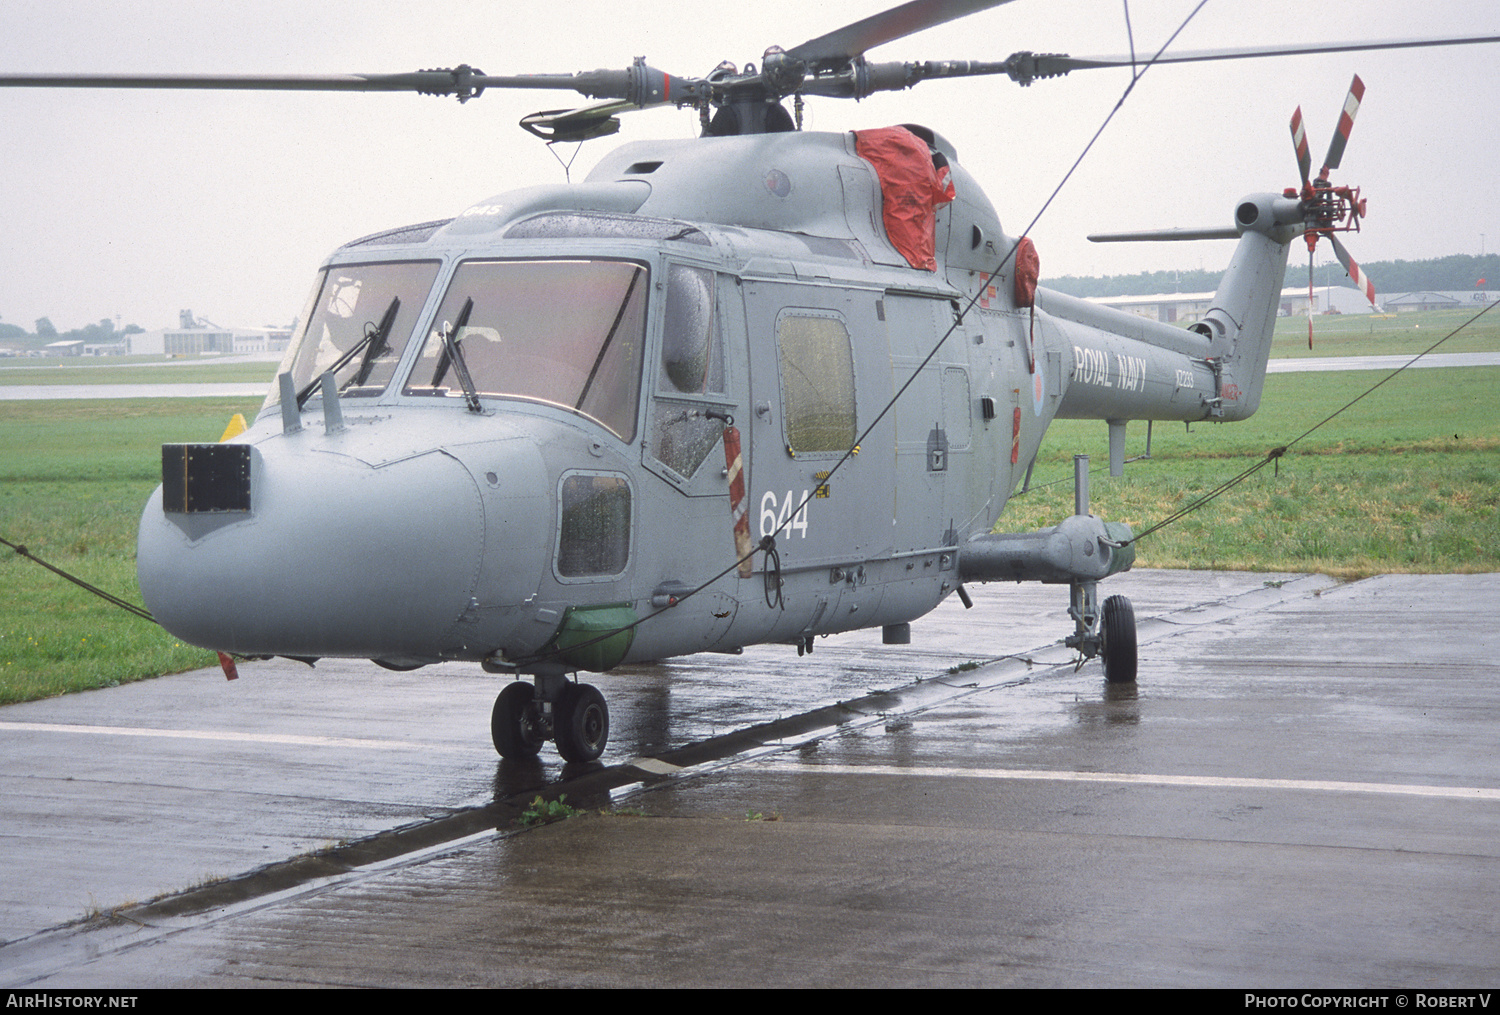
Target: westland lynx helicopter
[757,386]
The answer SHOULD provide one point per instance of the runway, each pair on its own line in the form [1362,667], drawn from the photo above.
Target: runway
[1302,790]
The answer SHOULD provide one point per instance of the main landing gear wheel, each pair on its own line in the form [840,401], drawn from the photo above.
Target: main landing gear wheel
[516,722]
[1118,630]
[580,723]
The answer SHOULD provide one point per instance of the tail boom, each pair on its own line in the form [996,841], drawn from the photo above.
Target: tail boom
[1124,367]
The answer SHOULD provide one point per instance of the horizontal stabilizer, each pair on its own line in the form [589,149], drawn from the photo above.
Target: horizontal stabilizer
[1219,233]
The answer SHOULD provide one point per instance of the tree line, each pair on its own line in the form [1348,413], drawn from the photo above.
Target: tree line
[1454,272]
[45,332]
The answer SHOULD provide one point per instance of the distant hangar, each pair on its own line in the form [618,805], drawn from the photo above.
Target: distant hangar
[1185,308]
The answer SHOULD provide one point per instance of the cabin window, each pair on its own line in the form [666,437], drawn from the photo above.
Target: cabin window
[817,382]
[594,526]
[568,333]
[348,303]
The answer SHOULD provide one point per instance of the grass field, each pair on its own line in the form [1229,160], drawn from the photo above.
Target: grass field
[1407,480]
[73,479]
[1386,334]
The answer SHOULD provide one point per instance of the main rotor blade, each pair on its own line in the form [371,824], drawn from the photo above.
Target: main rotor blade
[437,82]
[1356,275]
[898,22]
[1346,124]
[639,83]
[1051,65]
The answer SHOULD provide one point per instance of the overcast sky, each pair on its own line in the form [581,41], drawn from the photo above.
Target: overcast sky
[137,204]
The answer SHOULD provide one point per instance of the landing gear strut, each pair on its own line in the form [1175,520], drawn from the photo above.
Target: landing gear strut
[1113,634]
[574,716]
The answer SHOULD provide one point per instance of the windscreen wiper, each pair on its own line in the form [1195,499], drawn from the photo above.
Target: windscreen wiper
[378,344]
[373,344]
[453,352]
[609,338]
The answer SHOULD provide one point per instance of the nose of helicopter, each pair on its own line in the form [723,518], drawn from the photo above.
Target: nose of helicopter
[335,557]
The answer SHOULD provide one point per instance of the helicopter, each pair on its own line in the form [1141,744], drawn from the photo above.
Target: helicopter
[752,387]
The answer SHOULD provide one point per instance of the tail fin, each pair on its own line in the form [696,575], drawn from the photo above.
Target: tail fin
[1240,325]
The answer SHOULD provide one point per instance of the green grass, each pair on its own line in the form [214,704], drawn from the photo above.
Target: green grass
[1386,334]
[544,812]
[1408,479]
[74,476]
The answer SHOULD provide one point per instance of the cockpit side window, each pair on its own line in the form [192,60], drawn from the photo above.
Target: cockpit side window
[368,310]
[689,411]
[691,361]
[566,332]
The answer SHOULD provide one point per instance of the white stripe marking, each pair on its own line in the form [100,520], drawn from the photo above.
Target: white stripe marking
[1195,781]
[655,766]
[256,738]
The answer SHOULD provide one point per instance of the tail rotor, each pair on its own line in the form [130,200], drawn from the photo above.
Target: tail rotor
[1328,209]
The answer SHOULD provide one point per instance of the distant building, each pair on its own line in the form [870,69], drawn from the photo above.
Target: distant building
[66,347]
[1185,308]
[252,341]
[181,342]
[199,340]
[1444,300]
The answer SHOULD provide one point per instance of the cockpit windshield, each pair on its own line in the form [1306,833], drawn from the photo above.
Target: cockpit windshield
[357,322]
[565,332]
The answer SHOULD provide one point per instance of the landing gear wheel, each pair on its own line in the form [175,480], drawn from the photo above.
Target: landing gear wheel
[580,723]
[1118,629]
[516,722]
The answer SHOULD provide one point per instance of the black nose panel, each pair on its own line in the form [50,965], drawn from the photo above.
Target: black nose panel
[205,478]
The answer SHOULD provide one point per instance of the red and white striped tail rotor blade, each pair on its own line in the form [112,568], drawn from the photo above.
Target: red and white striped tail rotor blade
[1356,274]
[1299,142]
[1346,124]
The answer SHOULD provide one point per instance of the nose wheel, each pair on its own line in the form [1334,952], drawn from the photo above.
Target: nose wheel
[576,719]
[516,723]
[580,723]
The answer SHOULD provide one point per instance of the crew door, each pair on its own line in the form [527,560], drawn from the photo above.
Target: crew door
[820,372]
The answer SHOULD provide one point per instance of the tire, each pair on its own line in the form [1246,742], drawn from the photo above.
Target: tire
[581,724]
[1118,626]
[515,724]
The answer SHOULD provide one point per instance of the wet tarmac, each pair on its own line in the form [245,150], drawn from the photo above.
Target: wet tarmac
[1391,362]
[1302,790]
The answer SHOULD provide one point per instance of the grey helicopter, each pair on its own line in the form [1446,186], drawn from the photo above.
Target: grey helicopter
[757,386]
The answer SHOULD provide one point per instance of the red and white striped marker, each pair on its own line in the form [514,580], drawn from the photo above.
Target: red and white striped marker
[735,463]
